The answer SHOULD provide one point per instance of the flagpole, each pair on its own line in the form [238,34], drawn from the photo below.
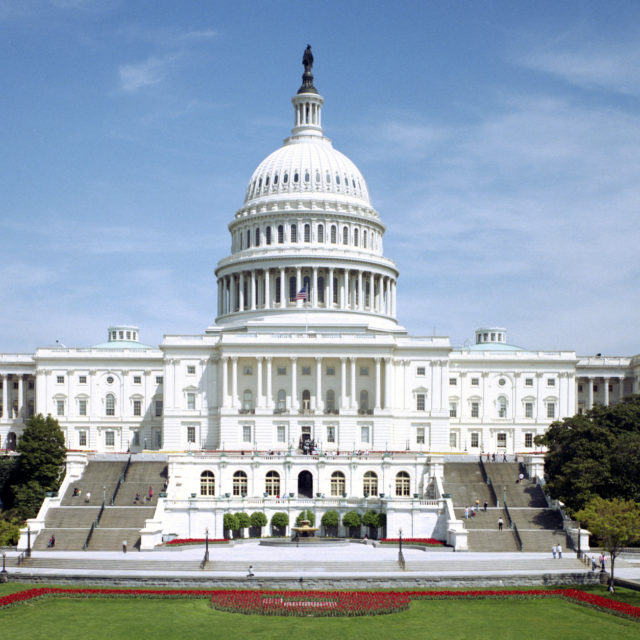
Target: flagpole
[306,318]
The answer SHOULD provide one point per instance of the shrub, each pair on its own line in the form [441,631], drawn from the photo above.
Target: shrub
[279,521]
[258,519]
[230,522]
[306,515]
[352,521]
[243,520]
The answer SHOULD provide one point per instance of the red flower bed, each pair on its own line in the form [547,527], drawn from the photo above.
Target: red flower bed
[429,541]
[197,541]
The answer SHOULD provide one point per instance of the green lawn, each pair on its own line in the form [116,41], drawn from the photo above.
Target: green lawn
[433,620]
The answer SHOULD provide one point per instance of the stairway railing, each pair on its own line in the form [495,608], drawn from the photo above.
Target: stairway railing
[513,526]
[487,479]
[121,480]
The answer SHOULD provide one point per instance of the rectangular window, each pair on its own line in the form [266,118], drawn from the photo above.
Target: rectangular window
[528,382]
[453,381]
[475,409]
[191,435]
[60,379]
[420,402]
[610,387]
[475,440]
[158,408]
[137,379]
[159,379]
[528,409]
[109,438]
[137,408]
[551,382]
[191,401]
[331,371]
[595,388]
[60,407]
[191,369]
[579,388]
[551,410]
[82,407]
[502,440]
[306,371]
[82,379]
[136,439]
[528,440]
[82,438]
[453,440]
[475,382]
[331,434]
[281,432]
[248,371]
[364,371]
[282,371]
[420,435]
[421,371]
[453,410]
[364,434]
[246,433]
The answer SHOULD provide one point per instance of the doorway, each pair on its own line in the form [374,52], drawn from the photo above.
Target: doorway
[305,484]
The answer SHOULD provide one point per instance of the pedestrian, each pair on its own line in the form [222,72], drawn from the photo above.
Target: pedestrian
[603,561]
[493,457]
[504,457]
[150,494]
[87,496]
[521,477]
[137,499]
[477,505]
[594,564]
[250,573]
[124,546]
[554,551]
[560,552]
[466,513]
[500,524]
[485,505]
[472,512]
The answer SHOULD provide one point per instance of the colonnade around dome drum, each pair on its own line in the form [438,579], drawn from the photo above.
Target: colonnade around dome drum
[326,288]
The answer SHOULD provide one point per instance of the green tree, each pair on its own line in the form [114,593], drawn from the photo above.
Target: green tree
[279,521]
[615,523]
[330,521]
[371,519]
[243,519]
[306,515]
[258,520]
[230,522]
[42,452]
[28,497]
[352,521]
[9,530]
[595,454]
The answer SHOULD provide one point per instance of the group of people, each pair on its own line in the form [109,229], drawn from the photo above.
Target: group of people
[602,561]
[556,550]
[77,492]
[491,457]
[470,512]
[138,499]
[52,542]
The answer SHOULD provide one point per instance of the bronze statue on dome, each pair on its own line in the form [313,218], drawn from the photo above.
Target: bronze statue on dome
[307,58]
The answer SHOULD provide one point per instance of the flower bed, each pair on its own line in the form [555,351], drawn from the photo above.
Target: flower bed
[430,542]
[184,541]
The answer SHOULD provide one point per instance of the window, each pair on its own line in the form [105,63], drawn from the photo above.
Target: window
[420,402]
[191,435]
[334,234]
[551,409]
[453,382]
[355,237]
[579,388]
[364,401]
[364,434]
[294,233]
[528,409]
[337,483]
[595,388]
[109,439]
[248,238]
[59,380]
[502,382]
[282,400]
[345,235]
[191,369]
[32,386]
[239,483]
[331,400]
[453,410]
[370,484]
[110,405]
[420,371]
[475,382]
[82,438]
[159,379]
[60,407]
[137,379]
[453,440]
[272,483]
[331,371]
[475,409]
[403,484]
[420,435]
[137,407]
[307,233]
[246,433]
[207,484]
[320,233]
[528,382]
[110,380]
[247,400]
[306,371]
[331,434]
[248,371]
[82,407]
[551,382]
[268,234]
[282,371]
[501,440]
[136,439]
[257,242]
[191,401]
[502,408]
[158,408]
[528,440]
[280,234]
[281,433]
[475,440]
[82,379]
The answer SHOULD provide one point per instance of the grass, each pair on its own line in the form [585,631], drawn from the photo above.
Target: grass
[436,619]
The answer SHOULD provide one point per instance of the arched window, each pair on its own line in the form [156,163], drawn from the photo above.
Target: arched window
[364,238]
[286,178]
[338,484]
[364,401]
[278,293]
[247,400]
[282,400]
[335,291]
[240,483]
[248,238]
[257,243]
[345,235]
[296,177]
[110,405]
[502,408]
[306,400]
[331,401]
[355,237]
[266,182]
[328,178]
[320,289]
[207,484]
[334,234]
[370,484]
[280,234]
[306,283]
[240,238]
[275,179]
[320,233]
[294,233]
[268,232]
[318,177]
[337,179]
[306,176]
[292,288]
[272,483]
[403,484]
[307,233]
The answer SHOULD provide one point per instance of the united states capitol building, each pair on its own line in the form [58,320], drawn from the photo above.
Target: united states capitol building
[306,390]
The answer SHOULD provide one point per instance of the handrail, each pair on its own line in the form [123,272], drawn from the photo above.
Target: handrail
[86,542]
[487,479]
[99,514]
[121,480]
[506,510]
[513,526]
[21,558]
[126,469]
[401,561]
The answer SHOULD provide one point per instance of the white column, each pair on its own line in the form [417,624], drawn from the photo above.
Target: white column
[329,304]
[342,284]
[343,383]
[267,288]
[620,388]
[393,298]
[234,301]
[234,381]
[319,403]
[314,292]
[283,289]
[269,393]
[21,396]
[299,280]
[371,291]
[241,300]
[5,384]
[377,398]
[260,399]
[606,392]
[590,399]
[220,281]
[253,289]
[224,362]
[387,383]
[294,384]
[360,292]
[387,308]
[354,404]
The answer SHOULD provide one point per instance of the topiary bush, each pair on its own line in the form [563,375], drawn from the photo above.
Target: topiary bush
[330,521]
[352,521]
[279,522]
[258,520]
[229,523]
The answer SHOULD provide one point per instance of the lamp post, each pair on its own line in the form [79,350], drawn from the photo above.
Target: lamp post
[104,494]
[206,545]
[28,541]
[400,556]
[579,536]
[3,574]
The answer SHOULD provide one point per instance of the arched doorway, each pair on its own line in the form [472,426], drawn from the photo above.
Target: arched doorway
[305,484]
[11,441]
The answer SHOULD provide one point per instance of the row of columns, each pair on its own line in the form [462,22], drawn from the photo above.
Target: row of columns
[231,398]
[256,289]
[7,411]
[590,382]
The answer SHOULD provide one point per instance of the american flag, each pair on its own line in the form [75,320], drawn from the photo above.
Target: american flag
[302,294]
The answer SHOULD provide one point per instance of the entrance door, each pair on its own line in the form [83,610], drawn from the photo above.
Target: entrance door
[11,441]
[305,485]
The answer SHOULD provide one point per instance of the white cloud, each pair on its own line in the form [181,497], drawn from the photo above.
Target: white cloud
[143,74]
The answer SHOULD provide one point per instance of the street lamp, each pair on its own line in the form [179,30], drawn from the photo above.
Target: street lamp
[400,556]
[28,541]
[206,545]
[3,574]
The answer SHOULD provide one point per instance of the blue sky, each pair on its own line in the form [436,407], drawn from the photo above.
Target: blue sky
[500,142]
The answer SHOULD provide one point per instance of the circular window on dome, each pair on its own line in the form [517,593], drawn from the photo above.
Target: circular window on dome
[110,380]
[502,382]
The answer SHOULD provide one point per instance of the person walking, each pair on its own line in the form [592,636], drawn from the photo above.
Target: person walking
[124,546]
[87,496]
[500,524]
[554,551]
[250,573]
[486,504]
[477,504]
[560,552]
[466,513]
